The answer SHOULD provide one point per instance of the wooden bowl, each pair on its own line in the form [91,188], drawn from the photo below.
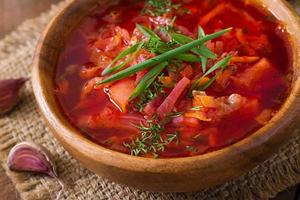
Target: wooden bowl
[173,175]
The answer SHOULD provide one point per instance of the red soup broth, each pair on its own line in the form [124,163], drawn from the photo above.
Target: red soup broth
[243,98]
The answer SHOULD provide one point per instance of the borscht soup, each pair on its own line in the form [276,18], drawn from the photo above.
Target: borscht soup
[163,78]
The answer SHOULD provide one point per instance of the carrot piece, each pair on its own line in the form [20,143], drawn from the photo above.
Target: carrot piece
[264,116]
[204,101]
[213,13]
[167,81]
[203,81]
[239,34]
[244,59]
[223,79]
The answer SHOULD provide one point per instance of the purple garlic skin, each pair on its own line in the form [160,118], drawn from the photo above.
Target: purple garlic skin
[9,93]
[31,157]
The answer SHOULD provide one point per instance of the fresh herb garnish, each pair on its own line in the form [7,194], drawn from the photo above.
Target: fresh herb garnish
[172,137]
[157,7]
[156,89]
[176,6]
[187,57]
[157,46]
[131,50]
[123,54]
[202,50]
[197,136]
[196,108]
[163,57]
[147,80]
[186,11]
[202,34]
[176,66]
[222,64]
[192,149]
[172,115]
[167,52]
[150,139]
[165,29]
[147,32]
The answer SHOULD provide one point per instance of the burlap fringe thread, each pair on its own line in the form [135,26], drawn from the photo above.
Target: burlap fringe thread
[24,124]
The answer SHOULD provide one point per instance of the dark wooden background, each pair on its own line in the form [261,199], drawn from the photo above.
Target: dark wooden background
[12,13]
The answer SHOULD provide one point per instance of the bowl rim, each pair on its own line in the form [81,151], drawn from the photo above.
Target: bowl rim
[264,135]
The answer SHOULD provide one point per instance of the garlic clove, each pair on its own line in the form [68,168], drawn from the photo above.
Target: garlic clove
[9,93]
[30,157]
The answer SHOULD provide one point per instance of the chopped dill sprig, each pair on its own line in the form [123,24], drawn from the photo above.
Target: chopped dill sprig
[167,28]
[148,80]
[150,139]
[196,108]
[156,89]
[157,46]
[174,136]
[158,7]
[186,11]
[173,115]
[192,149]
[177,6]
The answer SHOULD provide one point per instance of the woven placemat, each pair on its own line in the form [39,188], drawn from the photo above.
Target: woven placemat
[25,124]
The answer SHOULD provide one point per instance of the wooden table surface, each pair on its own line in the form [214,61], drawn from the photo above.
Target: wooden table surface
[12,13]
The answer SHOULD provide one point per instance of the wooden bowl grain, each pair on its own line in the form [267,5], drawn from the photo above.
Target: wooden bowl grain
[173,175]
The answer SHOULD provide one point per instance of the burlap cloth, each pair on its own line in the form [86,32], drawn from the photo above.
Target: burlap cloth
[25,124]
